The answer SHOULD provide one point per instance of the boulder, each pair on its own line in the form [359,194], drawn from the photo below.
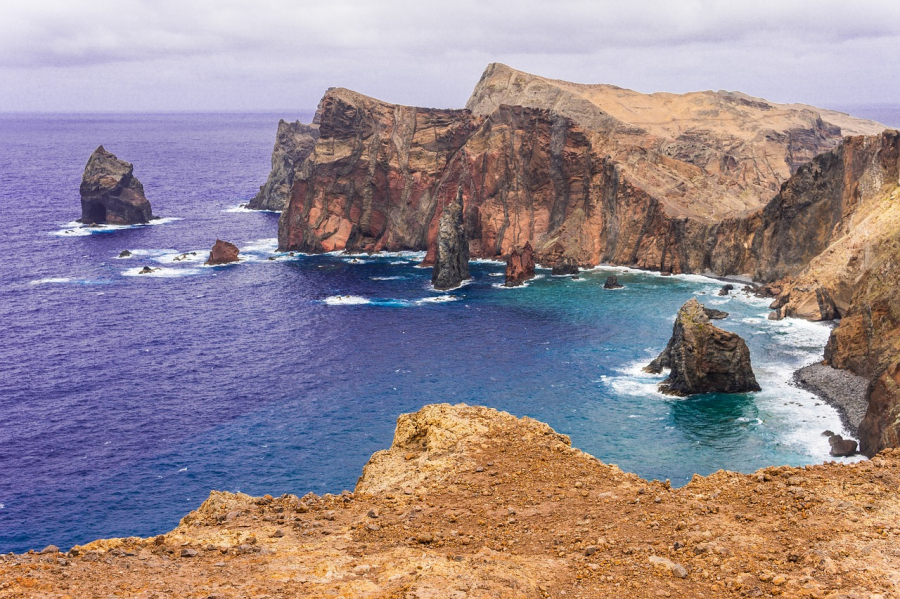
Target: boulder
[124,254]
[714,314]
[222,252]
[726,289]
[110,193]
[612,283]
[565,266]
[841,447]
[451,264]
[520,266]
[703,358]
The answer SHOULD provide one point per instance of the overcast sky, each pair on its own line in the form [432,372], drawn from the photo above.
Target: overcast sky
[205,55]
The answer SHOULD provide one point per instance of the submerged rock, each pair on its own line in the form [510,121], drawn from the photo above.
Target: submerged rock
[124,254]
[110,193]
[703,358]
[519,266]
[223,252]
[451,264]
[612,282]
[565,266]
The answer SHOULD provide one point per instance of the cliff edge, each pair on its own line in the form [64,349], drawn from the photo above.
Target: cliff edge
[472,502]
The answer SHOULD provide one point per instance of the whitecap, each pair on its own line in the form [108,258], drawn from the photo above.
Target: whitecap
[346,300]
[161,272]
[524,284]
[387,278]
[267,245]
[460,286]
[440,299]
[243,208]
[50,280]
[77,229]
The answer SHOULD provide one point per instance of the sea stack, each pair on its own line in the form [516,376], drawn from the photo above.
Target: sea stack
[565,266]
[612,282]
[110,193]
[222,252]
[451,265]
[519,266]
[294,142]
[703,358]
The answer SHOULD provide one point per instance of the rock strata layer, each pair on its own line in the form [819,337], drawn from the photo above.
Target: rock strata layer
[222,252]
[703,358]
[451,263]
[520,266]
[294,142]
[110,193]
[471,502]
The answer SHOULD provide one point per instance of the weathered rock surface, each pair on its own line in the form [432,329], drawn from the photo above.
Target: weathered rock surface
[471,502]
[564,266]
[110,193]
[520,266]
[294,142]
[549,165]
[841,447]
[726,289]
[714,314]
[451,264]
[612,282]
[703,358]
[222,252]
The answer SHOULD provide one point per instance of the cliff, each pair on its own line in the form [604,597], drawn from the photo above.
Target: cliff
[294,142]
[110,193]
[471,502]
[568,168]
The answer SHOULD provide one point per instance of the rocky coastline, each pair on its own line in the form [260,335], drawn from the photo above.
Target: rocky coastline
[472,502]
[842,389]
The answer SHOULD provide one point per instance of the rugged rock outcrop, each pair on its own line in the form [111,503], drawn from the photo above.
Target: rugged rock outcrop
[222,252]
[564,266]
[841,447]
[472,502]
[520,266]
[703,358]
[549,165]
[451,264]
[110,193]
[294,142]
[612,282]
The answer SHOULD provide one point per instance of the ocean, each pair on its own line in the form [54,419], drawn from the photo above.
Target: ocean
[126,398]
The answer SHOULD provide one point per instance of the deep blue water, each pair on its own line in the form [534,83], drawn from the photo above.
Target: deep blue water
[124,398]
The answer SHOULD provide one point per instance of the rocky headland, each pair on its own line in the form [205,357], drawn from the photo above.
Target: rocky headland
[110,193]
[471,502]
[294,142]
[703,358]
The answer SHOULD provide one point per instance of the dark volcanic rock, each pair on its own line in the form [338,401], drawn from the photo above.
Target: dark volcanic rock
[451,265]
[703,358]
[612,282]
[565,266]
[110,193]
[726,289]
[519,266]
[714,314]
[841,447]
[223,253]
[294,142]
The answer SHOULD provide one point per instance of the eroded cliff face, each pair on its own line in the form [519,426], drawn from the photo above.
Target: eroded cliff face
[472,502]
[294,142]
[110,193]
[551,164]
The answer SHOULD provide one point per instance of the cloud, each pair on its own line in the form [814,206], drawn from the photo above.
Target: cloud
[420,49]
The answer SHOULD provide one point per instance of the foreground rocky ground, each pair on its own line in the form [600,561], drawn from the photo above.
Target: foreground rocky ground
[471,502]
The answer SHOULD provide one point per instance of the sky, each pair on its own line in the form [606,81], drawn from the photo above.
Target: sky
[281,55]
